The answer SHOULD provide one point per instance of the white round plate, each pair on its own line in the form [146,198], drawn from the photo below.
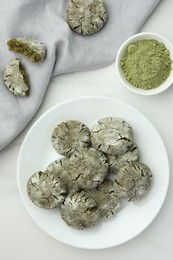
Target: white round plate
[37,152]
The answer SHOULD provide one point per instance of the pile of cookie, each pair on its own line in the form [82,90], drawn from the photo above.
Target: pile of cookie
[99,169]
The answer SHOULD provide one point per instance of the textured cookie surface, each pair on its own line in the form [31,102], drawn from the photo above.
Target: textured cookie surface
[108,202]
[116,162]
[70,136]
[86,17]
[46,190]
[88,167]
[61,168]
[111,135]
[133,181]
[32,49]
[79,211]
[16,78]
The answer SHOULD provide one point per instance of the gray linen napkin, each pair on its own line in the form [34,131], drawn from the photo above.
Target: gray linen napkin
[66,50]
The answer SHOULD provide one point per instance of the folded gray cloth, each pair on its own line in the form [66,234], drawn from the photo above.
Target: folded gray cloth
[67,51]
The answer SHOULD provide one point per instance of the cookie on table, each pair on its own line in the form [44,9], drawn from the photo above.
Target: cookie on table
[89,167]
[61,168]
[31,48]
[79,211]
[70,136]
[133,181]
[108,202]
[86,17]
[46,190]
[112,135]
[116,162]
[16,78]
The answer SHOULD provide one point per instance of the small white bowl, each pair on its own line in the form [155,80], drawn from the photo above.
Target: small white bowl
[142,36]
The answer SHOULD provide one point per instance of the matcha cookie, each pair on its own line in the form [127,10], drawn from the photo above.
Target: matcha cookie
[70,136]
[79,211]
[46,190]
[86,17]
[112,135]
[116,162]
[61,169]
[88,167]
[108,202]
[133,181]
[16,78]
[32,49]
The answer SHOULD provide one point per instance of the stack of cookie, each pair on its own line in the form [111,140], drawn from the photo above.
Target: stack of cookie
[98,170]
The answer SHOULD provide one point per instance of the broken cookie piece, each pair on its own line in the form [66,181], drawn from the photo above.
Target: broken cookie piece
[32,49]
[16,78]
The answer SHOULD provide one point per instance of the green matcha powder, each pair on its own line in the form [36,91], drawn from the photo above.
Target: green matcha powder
[146,64]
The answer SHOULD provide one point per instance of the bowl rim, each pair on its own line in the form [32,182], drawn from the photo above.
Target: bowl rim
[144,35]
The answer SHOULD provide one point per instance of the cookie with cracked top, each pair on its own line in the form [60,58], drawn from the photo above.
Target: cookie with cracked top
[107,200]
[116,162]
[61,168]
[46,190]
[79,211]
[133,181]
[69,136]
[86,17]
[89,167]
[112,135]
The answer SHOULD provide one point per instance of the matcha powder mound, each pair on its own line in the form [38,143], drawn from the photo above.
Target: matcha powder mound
[146,64]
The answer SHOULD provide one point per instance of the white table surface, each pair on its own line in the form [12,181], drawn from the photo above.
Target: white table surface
[20,237]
